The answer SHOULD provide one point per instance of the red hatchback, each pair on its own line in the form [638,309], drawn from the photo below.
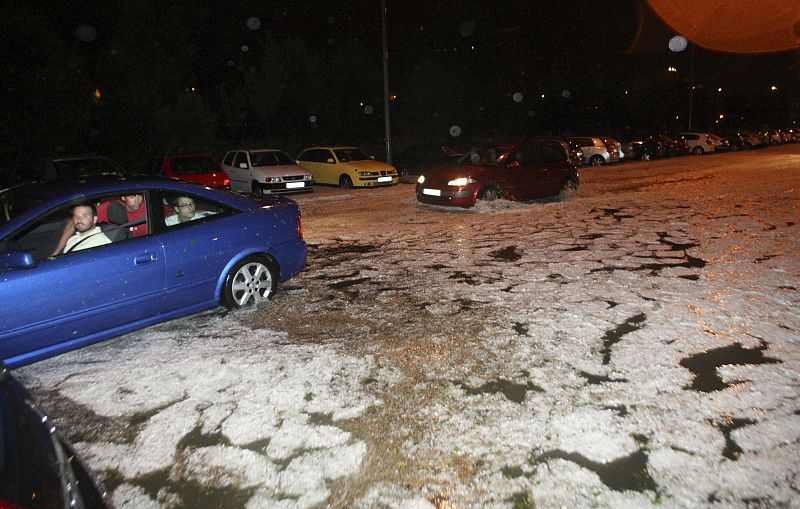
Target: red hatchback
[517,171]
[201,168]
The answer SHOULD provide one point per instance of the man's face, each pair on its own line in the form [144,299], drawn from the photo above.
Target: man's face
[83,219]
[132,202]
[186,208]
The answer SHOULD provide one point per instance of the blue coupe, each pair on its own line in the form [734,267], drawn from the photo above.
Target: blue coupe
[82,262]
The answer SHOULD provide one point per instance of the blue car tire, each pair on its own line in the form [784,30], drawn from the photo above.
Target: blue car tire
[253,279]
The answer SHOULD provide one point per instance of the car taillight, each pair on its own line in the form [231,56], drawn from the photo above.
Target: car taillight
[299,225]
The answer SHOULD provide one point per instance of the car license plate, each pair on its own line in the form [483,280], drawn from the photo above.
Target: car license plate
[431,192]
[384,179]
[294,185]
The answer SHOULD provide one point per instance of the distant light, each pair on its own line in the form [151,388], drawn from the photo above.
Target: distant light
[626,92]
[719,89]
[392,97]
[96,96]
[721,115]
[677,117]
[542,96]
[774,88]
[672,69]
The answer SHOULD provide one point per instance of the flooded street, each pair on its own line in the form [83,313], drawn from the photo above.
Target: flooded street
[635,344]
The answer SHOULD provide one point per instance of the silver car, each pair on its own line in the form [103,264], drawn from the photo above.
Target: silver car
[595,151]
[266,171]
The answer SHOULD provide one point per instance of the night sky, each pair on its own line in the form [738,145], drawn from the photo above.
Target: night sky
[602,65]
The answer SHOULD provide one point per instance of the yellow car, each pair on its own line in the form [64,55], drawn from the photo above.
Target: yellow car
[346,167]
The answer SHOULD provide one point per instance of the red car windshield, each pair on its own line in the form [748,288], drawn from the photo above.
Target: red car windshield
[194,165]
[485,156]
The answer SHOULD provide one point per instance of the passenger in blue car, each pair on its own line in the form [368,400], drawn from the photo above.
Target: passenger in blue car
[186,211]
[87,233]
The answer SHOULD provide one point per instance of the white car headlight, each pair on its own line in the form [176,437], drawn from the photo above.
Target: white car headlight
[462,181]
[421,179]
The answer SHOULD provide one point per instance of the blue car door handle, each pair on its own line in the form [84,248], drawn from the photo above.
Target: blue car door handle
[144,258]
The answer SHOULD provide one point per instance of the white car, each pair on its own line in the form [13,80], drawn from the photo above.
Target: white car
[266,171]
[700,143]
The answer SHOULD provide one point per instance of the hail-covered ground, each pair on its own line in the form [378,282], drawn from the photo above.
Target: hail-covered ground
[635,344]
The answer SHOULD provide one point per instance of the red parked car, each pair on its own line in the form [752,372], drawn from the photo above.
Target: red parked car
[201,168]
[517,171]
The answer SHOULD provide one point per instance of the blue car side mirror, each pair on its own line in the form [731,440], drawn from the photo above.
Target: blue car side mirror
[16,260]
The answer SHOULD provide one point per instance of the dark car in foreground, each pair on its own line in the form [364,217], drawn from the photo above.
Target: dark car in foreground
[38,467]
[521,170]
[192,249]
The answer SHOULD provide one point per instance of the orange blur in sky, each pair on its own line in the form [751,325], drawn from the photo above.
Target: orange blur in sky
[735,26]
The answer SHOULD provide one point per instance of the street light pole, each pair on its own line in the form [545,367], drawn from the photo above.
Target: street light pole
[387,124]
[691,85]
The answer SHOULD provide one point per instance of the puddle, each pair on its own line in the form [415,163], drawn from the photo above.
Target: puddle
[675,246]
[462,277]
[511,390]
[622,474]
[512,472]
[620,410]
[612,337]
[520,328]
[599,379]
[732,449]
[196,439]
[765,258]
[704,364]
[341,285]
[508,254]
[189,494]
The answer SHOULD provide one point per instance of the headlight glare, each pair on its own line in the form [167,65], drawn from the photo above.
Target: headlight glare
[462,181]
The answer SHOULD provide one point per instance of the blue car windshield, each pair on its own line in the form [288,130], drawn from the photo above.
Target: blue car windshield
[13,202]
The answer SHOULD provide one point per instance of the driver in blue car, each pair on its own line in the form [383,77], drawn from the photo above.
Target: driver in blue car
[87,233]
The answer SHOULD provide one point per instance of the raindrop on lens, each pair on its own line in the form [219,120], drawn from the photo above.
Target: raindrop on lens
[253,23]
[312,119]
[245,48]
[467,28]
[678,43]
[86,33]
[331,41]
[455,131]
[230,63]
[517,97]
[531,113]
[368,109]
[566,94]
[331,20]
